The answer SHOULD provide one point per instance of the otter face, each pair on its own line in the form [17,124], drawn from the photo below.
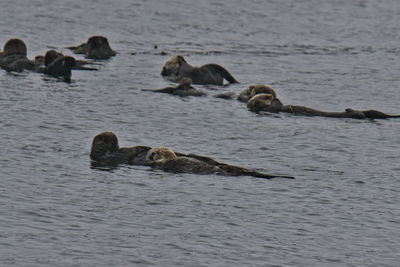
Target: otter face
[159,154]
[104,143]
[14,47]
[39,60]
[171,67]
[253,90]
[260,101]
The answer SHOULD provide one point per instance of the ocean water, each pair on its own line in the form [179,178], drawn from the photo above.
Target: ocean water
[343,207]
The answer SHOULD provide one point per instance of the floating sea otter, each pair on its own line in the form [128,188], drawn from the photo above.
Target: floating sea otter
[253,90]
[96,47]
[183,89]
[269,103]
[105,150]
[58,65]
[165,159]
[13,57]
[176,68]
[186,89]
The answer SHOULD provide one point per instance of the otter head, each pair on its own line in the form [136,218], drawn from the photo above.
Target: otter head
[159,155]
[50,56]
[261,89]
[253,90]
[185,82]
[103,144]
[97,47]
[61,66]
[172,66]
[39,60]
[14,47]
[260,101]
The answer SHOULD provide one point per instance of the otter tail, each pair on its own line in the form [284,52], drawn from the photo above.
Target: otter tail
[231,169]
[225,74]
[239,171]
[376,114]
[267,176]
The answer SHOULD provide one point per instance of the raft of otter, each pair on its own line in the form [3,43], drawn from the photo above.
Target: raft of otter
[106,151]
[13,58]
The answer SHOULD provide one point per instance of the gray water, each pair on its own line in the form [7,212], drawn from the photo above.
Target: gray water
[342,210]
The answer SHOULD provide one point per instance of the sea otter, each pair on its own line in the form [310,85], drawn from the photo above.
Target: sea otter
[176,68]
[105,150]
[253,90]
[96,47]
[167,160]
[268,103]
[13,57]
[58,65]
[61,67]
[183,89]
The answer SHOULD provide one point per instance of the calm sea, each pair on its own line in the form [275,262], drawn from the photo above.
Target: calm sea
[343,208]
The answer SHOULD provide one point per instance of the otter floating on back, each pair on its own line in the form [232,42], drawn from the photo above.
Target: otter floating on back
[253,90]
[269,103]
[165,159]
[183,89]
[105,151]
[176,68]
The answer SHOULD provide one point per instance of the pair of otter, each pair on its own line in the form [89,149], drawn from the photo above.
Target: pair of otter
[263,98]
[105,150]
[176,69]
[14,58]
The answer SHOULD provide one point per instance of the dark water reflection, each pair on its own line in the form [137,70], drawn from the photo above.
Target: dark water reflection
[341,210]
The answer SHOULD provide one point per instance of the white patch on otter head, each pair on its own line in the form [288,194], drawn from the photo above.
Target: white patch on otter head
[171,67]
[260,100]
[261,89]
[160,154]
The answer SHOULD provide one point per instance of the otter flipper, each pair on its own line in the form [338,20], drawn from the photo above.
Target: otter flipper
[376,114]
[221,70]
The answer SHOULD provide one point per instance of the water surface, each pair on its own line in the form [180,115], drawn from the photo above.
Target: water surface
[342,210]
